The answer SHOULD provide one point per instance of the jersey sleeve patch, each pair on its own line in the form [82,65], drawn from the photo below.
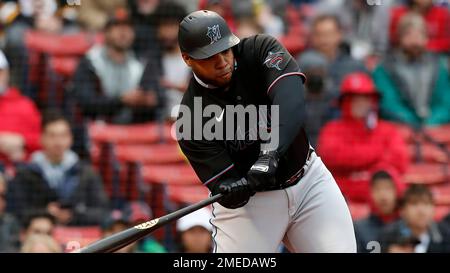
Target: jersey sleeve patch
[276,60]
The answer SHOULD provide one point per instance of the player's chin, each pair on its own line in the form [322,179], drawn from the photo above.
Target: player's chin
[223,80]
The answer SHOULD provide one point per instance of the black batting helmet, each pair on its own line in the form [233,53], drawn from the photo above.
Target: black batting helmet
[205,33]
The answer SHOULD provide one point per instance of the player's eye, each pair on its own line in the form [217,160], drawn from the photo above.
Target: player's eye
[226,51]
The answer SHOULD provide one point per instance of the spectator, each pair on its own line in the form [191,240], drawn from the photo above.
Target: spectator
[56,180]
[37,221]
[114,224]
[445,223]
[38,15]
[271,23]
[326,38]
[93,15]
[40,243]
[385,191]
[365,26]
[223,8]
[133,214]
[368,27]
[20,119]
[247,27]
[9,235]
[142,12]
[194,232]
[415,231]
[174,74]
[256,17]
[359,142]
[106,82]
[413,83]
[318,97]
[437,21]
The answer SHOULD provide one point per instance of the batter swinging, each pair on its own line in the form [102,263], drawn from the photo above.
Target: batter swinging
[279,194]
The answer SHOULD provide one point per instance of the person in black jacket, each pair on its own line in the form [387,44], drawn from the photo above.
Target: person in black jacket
[415,232]
[386,188]
[9,227]
[108,84]
[58,181]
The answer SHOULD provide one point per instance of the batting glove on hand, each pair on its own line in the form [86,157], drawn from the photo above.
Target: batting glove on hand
[236,193]
[262,174]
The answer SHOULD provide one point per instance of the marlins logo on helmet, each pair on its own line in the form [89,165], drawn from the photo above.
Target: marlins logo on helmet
[214,33]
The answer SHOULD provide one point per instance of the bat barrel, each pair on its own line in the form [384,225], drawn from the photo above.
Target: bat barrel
[128,236]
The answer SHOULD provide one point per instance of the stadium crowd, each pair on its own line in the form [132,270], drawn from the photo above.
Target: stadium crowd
[87,89]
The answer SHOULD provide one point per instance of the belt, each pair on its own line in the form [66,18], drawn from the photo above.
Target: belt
[293,180]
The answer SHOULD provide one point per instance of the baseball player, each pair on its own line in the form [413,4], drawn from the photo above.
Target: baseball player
[273,194]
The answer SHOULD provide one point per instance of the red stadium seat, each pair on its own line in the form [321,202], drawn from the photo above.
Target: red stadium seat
[426,173]
[405,131]
[158,178]
[132,134]
[294,40]
[440,212]
[429,153]
[440,133]
[175,174]
[64,66]
[76,236]
[187,194]
[60,45]
[441,194]
[149,154]
[48,76]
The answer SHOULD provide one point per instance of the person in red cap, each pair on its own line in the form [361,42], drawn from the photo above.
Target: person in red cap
[359,142]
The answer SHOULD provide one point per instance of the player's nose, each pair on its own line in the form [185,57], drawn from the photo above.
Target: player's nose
[221,62]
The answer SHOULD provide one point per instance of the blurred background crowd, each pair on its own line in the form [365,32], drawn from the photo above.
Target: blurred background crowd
[87,88]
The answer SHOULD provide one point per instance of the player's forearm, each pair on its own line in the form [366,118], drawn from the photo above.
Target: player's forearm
[288,93]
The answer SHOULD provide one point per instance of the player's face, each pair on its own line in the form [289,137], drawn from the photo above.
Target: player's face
[216,70]
[384,196]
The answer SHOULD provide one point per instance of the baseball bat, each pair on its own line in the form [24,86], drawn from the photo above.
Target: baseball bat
[130,235]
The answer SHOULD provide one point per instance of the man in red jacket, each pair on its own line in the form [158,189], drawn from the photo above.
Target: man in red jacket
[19,120]
[359,142]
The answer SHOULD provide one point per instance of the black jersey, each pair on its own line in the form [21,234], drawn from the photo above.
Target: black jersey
[260,61]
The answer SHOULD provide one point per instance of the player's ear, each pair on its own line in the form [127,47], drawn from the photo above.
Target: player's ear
[187,59]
